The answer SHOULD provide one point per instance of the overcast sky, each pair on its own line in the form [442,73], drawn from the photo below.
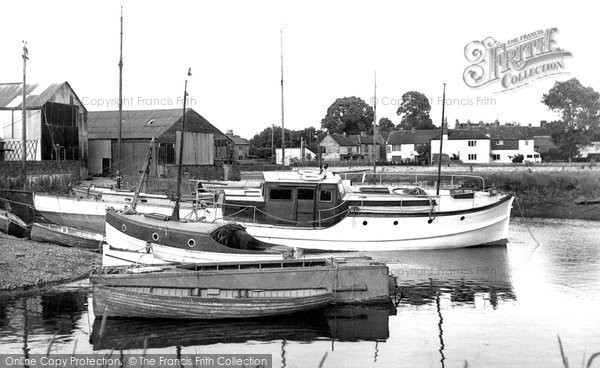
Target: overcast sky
[331,50]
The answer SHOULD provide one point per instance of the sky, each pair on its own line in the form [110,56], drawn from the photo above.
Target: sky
[331,49]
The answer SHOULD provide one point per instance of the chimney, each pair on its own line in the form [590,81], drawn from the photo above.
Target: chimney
[229,132]
[412,130]
[363,134]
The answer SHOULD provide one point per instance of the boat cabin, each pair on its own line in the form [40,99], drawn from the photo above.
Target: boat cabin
[295,198]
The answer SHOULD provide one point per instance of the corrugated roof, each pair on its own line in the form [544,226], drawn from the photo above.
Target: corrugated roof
[37,95]
[412,137]
[342,140]
[145,124]
[136,123]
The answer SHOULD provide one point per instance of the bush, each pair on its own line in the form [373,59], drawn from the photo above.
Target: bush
[518,159]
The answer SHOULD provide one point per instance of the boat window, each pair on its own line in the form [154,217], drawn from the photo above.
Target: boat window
[325,196]
[341,189]
[281,194]
[306,194]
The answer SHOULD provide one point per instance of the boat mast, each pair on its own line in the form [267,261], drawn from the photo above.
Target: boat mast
[437,191]
[374,125]
[175,215]
[120,103]
[282,114]
[24,111]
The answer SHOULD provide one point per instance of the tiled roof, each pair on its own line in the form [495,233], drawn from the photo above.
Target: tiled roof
[145,124]
[342,140]
[360,139]
[513,132]
[238,140]
[36,95]
[412,137]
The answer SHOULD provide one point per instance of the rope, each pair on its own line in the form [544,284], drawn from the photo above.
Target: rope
[526,226]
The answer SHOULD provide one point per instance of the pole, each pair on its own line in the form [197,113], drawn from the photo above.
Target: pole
[120,104]
[273,155]
[175,215]
[437,191]
[24,109]
[282,114]
[374,126]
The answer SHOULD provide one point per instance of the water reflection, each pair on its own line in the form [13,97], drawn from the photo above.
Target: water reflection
[342,323]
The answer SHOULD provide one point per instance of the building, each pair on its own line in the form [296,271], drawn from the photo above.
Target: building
[204,143]
[338,147]
[241,147]
[368,146]
[294,155]
[510,141]
[469,146]
[404,145]
[590,152]
[56,123]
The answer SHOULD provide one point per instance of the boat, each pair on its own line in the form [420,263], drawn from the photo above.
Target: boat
[114,256]
[64,235]
[185,242]
[237,289]
[210,303]
[88,213]
[13,225]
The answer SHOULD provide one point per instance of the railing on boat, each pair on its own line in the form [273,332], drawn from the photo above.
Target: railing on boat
[415,178]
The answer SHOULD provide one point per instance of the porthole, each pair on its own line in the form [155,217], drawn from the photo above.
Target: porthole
[124,227]
[364,223]
[395,222]
[429,221]
[191,243]
[155,236]
[462,218]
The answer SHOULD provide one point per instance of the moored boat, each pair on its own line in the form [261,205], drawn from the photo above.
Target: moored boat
[13,225]
[67,236]
[185,242]
[201,303]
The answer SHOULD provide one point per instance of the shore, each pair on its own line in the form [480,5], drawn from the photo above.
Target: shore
[25,264]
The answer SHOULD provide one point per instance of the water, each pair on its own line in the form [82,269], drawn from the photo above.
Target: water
[501,306]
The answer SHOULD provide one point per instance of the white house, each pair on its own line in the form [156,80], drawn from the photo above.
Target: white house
[294,154]
[510,141]
[470,146]
[403,145]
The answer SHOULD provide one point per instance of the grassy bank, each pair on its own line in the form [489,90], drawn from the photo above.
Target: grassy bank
[25,263]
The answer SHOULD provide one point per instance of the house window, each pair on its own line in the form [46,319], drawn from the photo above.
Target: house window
[536,156]
[280,194]
[527,143]
[349,149]
[495,157]
[472,143]
[396,147]
[529,156]
[325,196]
[472,157]
[166,153]
[366,148]
[499,142]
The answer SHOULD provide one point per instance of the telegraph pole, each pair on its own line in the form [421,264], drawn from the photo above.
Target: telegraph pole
[282,114]
[24,108]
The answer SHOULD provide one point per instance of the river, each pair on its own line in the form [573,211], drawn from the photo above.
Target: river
[498,306]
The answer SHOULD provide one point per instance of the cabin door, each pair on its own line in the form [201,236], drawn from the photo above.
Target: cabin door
[305,210]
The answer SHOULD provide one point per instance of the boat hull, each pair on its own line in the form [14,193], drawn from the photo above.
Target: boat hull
[89,214]
[372,231]
[133,302]
[13,225]
[70,237]
[112,256]
[172,254]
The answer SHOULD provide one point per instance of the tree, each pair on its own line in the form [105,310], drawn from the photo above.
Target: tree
[414,111]
[386,125]
[260,144]
[349,115]
[579,107]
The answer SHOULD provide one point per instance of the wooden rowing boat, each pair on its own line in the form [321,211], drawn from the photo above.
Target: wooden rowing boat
[200,303]
[64,235]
